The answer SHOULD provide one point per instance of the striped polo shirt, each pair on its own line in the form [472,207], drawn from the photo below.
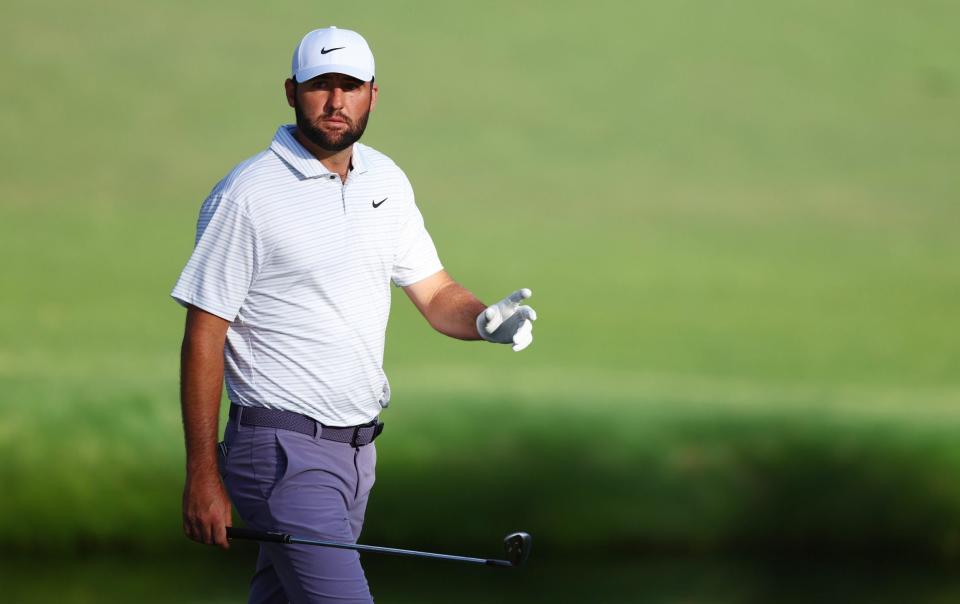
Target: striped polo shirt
[301,265]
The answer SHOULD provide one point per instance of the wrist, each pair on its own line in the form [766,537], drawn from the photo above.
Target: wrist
[202,469]
[481,324]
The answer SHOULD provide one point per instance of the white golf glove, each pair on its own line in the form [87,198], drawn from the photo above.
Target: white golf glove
[506,322]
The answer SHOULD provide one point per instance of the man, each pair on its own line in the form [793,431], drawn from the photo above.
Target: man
[287,294]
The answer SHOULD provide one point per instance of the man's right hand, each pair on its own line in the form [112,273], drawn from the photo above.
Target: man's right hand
[206,510]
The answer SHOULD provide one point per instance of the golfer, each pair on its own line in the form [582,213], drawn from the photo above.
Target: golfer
[287,294]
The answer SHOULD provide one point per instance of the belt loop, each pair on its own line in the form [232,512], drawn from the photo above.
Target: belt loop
[353,441]
[239,416]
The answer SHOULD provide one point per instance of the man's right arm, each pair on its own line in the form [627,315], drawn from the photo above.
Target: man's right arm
[206,507]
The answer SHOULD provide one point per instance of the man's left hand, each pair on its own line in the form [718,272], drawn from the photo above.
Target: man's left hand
[508,322]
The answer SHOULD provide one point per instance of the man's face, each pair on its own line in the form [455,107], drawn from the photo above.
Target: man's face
[332,109]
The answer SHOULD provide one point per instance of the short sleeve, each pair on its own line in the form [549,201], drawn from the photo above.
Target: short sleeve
[225,260]
[416,257]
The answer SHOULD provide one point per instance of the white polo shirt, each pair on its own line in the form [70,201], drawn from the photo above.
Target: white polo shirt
[301,265]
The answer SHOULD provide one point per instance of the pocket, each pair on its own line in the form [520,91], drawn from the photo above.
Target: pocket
[366,468]
[222,451]
[268,460]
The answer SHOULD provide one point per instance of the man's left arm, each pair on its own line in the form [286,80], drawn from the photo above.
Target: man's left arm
[453,310]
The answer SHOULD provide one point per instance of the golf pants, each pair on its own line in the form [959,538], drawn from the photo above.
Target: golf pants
[280,480]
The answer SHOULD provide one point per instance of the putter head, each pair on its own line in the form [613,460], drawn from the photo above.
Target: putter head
[517,546]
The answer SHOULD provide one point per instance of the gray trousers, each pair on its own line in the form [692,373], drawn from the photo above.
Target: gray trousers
[285,481]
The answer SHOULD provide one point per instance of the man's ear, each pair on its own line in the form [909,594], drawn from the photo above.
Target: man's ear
[290,87]
[374,91]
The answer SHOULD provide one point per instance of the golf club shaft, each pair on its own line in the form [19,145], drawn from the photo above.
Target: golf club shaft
[244,533]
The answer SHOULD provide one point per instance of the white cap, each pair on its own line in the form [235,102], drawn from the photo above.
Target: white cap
[332,50]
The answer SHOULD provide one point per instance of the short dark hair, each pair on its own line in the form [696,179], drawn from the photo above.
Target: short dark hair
[295,82]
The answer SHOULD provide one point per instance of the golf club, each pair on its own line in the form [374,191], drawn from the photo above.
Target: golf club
[516,545]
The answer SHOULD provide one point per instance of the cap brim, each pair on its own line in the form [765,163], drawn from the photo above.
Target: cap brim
[309,73]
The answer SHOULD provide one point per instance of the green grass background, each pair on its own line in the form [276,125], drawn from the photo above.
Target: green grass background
[739,221]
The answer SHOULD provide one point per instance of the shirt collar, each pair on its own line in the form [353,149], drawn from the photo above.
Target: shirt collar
[358,161]
[289,149]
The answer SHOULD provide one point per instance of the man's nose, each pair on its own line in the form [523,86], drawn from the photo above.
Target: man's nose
[335,100]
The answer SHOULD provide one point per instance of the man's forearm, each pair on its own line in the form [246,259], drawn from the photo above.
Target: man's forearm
[206,507]
[201,381]
[453,311]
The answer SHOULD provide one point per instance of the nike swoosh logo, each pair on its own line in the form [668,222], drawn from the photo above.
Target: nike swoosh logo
[377,204]
[324,51]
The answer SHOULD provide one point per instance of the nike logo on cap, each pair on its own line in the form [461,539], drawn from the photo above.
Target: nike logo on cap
[324,51]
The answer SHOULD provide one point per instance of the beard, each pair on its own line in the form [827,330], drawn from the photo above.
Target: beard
[331,141]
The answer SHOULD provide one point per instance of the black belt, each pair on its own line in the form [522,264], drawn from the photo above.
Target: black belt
[355,436]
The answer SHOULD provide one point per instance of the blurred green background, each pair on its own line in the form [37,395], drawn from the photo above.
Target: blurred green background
[739,220]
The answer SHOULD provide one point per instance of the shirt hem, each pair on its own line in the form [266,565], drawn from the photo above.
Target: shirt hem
[210,308]
[419,276]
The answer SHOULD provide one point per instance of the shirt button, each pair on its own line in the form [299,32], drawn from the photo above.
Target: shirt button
[332,177]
